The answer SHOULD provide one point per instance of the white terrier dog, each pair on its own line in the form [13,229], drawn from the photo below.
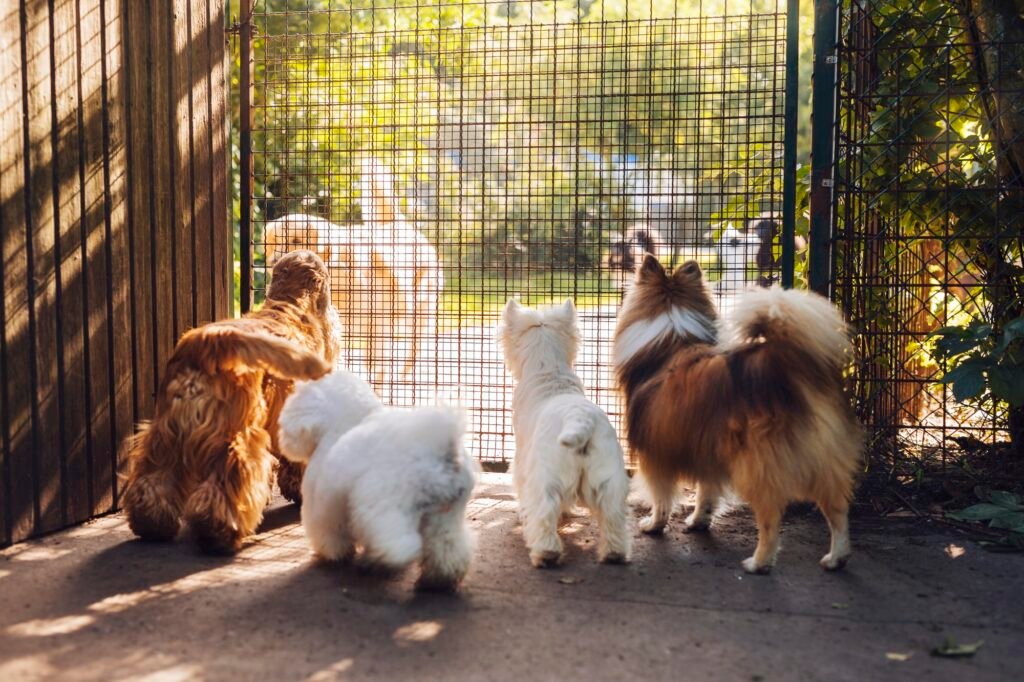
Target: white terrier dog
[392,481]
[566,449]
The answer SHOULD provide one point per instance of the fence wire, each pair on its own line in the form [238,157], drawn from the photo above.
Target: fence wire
[442,158]
[928,220]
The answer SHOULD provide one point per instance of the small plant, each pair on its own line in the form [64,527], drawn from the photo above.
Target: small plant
[985,363]
[1001,509]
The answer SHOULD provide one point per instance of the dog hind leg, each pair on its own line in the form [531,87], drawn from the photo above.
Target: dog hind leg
[447,549]
[153,494]
[708,494]
[391,539]
[836,512]
[228,506]
[662,489]
[607,501]
[540,529]
[769,521]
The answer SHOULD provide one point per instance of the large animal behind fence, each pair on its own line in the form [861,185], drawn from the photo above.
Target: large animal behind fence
[386,277]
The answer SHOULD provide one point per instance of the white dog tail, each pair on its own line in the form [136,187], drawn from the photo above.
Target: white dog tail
[577,430]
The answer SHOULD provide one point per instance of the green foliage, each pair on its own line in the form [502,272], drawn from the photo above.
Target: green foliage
[413,81]
[1001,510]
[985,364]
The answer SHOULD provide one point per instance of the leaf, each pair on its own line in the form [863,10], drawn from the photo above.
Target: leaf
[950,649]
[970,385]
[840,605]
[978,512]
[1005,499]
[1012,520]
[1007,383]
[1015,328]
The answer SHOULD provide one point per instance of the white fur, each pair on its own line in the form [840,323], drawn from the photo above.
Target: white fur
[386,276]
[643,333]
[566,449]
[735,259]
[392,481]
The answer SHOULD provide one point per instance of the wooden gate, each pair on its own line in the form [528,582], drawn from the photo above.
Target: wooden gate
[113,202]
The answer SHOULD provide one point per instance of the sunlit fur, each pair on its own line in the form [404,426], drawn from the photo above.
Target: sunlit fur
[566,450]
[392,481]
[206,456]
[386,276]
[755,401]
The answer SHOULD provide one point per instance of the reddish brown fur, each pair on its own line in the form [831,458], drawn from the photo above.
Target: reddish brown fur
[749,414]
[206,456]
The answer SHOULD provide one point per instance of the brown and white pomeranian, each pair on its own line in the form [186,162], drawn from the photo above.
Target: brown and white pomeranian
[754,402]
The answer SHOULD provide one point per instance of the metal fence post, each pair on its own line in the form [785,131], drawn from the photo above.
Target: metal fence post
[245,154]
[789,143]
[823,126]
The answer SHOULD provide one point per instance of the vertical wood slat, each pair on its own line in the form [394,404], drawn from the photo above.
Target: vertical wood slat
[200,153]
[140,152]
[17,509]
[113,201]
[96,257]
[121,287]
[222,250]
[69,267]
[161,157]
[182,205]
[41,219]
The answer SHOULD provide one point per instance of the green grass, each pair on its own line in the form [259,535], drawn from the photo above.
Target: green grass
[478,298]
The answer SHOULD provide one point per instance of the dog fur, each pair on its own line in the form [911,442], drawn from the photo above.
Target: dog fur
[566,449]
[755,402]
[386,276]
[392,481]
[206,456]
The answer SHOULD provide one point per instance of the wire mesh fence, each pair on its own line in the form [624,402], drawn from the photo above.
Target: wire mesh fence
[443,157]
[929,224]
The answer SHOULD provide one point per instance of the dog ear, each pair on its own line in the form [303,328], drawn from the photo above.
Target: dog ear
[688,271]
[511,312]
[650,268]
[569,310]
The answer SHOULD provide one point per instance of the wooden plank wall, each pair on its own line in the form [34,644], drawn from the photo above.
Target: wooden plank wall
[115,234]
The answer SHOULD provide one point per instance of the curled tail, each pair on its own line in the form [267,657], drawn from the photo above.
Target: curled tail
[577,430]
[781,335]
[226,347]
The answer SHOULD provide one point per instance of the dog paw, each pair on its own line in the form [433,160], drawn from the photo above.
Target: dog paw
[751,566]
[615,558]
[652,525]
[437,584]
[545,559]
[696,524]
[832,562]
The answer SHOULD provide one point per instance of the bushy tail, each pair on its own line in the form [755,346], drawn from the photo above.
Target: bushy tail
[803,330]
[226,347]
[577,430]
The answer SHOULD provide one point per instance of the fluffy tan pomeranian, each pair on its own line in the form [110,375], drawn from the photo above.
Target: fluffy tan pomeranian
[754,402]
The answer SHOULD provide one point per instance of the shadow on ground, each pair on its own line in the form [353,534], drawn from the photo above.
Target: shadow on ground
[93,603]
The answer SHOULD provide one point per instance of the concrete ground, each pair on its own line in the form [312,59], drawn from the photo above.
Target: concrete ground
[94,603]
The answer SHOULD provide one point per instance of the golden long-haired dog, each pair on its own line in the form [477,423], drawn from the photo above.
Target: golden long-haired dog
[755,402]
[386,276]
[206,456]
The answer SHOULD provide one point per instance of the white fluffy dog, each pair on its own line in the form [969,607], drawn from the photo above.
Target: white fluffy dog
[394,482]
[566,449]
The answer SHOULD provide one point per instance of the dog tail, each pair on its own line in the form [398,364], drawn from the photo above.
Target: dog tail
[788,333]
[577,430]
[219,347]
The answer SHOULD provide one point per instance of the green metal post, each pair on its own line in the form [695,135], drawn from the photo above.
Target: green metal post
[823,146]
[789,143]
